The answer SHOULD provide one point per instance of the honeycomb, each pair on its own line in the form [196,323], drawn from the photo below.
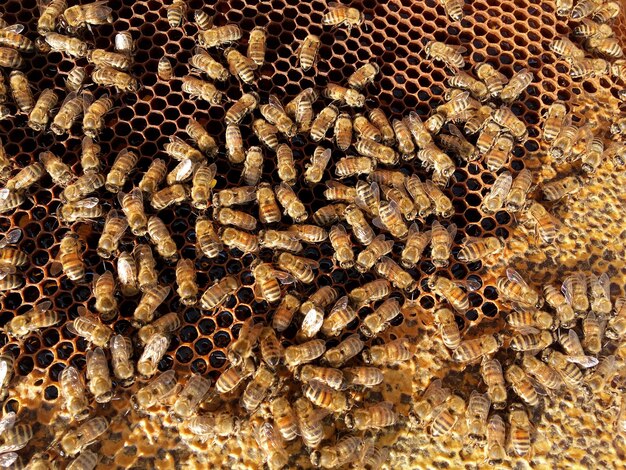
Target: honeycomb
[509,35]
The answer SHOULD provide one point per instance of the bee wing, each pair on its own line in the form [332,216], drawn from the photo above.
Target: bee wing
[455,131]
[470,284]
[341,304]
[5,193]
[8,421]
[314,264]
[584,361]
[283,277]
[8,459]
[275,102]
[452,229]
[5,270]
[14,28]
[514,276]
[413,231]
[11,238]
[87,203]
[321,158]
[43,306]
[605,283]
[566,288]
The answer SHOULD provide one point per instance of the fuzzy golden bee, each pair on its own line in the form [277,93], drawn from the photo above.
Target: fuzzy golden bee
[307,52]
[342,15]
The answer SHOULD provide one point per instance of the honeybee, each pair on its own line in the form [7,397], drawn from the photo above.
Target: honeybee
[285,164]
[476,417]
[307,52]
[363,76]
[266,133]
[371,417]
[491,372]
[448,416]
[441,242]
[601,376]
[620,422]
[218,292]
[93,120]
[49,14]
[574,349]
[390,219]
[164,325]
[575,290]
[299,267]
[272,350]
[498,155]
[276,115]
[240,65]
[272,445]
[478,119]
[563,145]
[370,292]
[156,391]
[545,375]
[448,328]
[341,243]
[495,452]
[75,78]
[570,373]
[589,68]
[520,430]
[343,95]
[60,172]
[20,89]
[593,332]
[352,166]
[146,275]
[433,158]
[90,156]
[150,301]
[202,185]
[522,385]
[121,81]
[429,402]
[207,64]
[304,353]
[77,440]
[292,205]
[494,200]
[476,249]
[505,118]
[514,288]
[218,36]
[207,239]
[68,113]
[343,131]
[40,114]
[121,354]
[457,143]
[380,153]
[471,350]
[71,46]
[365,129]
[104,292]
[186,281]
[600,294]
[606,12]
[176,12]
[337,191]
[309,233]
[330,214]
[415,245]
[243,241]
[325,397]
[566,49]
[155,349]
[11,58]
[190,396]
[545,224]
[257,389]
[564,312]
[127,274]
[378,321]
[360,227]
[23,180]
[283,315]
[486,140]
[404,138]
[449,55]
[387,354]
[87,460]
[324,120]
[124,43]
[80,16]
[98,376]
[12,201]
[593,157]
[102,58]
[390,270]
[516,86]
[124,163]
[40,316]
[267,281]
[174,194]
[73,391]
[269,212]
[242,107]
[342,15]
[301,108]
[240,219]
[234,144]
[222,424]
[378,118]
[114,228]
[340,316]
[404,203]
[516,197]
[616,327]
[343,452]
[609,47]
[465,81]
[314,171]
[555,190]
[417,191]
[363,376]
[132,206]
[234,196]
[198,88]
[70,257]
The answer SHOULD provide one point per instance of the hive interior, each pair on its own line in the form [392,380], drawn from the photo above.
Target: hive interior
[510,35]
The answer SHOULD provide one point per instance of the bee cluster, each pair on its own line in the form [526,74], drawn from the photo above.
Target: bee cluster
[311,374]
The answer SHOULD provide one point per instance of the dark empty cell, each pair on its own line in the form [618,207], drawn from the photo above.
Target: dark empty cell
[472,215]
[488,223]
[233,267]
[427,302]
[459,191]
[192,315]
[459,271]
[224,319]
[44,358]
[503,217]
[184,354]
[489,309]
[188,334]
[206,326]
[51,393]
[471,315]
[25,365]
[245,295]
[12,301]
[217,359]
[165,363]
